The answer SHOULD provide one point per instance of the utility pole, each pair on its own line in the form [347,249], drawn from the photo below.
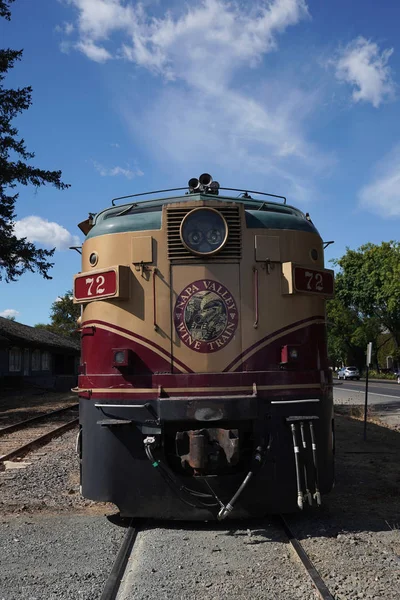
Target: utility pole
[368,362]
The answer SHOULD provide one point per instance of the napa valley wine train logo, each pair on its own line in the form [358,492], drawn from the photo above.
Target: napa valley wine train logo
[205,316]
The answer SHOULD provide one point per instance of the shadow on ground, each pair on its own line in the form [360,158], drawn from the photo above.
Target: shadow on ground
[366,496]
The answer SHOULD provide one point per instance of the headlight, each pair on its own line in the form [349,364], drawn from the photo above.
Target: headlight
[204,231]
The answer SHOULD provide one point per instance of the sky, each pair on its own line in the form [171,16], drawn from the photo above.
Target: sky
[293,97]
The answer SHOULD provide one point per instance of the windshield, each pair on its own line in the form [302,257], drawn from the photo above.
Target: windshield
[131,210]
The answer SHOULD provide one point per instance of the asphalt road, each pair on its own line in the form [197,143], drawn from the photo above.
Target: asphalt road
[379,392]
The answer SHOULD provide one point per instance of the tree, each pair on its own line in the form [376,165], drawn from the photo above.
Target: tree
[369,284]
[5,9]
[344,333]
[64,315]
[17,255]
[367,305]
[386,347]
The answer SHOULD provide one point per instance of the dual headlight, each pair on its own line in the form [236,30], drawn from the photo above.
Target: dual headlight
[204,231]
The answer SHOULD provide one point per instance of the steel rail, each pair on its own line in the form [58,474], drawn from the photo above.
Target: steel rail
[23,424]
[113,582]
[318,582]
[39,441]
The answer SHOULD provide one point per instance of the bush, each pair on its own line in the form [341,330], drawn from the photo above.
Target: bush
[375,375]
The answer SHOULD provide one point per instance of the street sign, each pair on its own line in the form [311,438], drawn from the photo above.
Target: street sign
[369,354]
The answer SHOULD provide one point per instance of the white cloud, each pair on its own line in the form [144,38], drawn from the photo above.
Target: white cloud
[365,67]
[9,312]
[382,194]
[50,234]
[206,110]
[237,135]
[92,51]
[66,28]
[98,18]
[129,173]
[214,38]
[66,46]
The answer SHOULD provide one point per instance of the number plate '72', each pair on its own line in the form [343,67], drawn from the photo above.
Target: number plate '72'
[313,281]
[95,285]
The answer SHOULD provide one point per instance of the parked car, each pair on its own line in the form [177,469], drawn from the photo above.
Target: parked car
[348,373]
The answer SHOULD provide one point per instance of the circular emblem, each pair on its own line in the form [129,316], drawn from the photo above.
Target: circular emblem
[205,316]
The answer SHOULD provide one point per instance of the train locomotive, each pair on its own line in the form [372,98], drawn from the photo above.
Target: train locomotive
[204,385]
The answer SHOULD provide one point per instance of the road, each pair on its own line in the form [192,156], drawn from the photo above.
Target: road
[383,398]
[379,392]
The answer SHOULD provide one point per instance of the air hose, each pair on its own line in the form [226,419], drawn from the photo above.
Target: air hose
[198,499]
[225,510]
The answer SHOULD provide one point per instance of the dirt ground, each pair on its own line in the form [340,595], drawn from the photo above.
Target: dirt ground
[18,405]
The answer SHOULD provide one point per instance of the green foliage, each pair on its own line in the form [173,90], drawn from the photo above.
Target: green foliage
[367,305]
[387,347]
[375,375]
[64,314]
[369,283]
[46,326]
[345,334]
[17,255]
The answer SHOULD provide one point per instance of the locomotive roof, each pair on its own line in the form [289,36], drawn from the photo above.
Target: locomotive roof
[146,215]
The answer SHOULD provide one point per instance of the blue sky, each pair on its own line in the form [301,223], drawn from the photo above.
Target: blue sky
[287,96]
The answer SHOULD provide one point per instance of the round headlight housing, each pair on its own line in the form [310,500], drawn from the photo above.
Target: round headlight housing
[93,259]
[204,231]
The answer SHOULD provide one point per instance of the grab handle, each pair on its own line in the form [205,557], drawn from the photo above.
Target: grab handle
[154,300]
[255,271]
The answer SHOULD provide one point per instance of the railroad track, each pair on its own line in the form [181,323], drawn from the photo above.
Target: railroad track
[319,585]
[112,586]
[18,439]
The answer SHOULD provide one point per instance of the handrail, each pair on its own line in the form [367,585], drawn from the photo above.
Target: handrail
[254,192]
[205,191]
[255,271]
[148,193]
[154,300]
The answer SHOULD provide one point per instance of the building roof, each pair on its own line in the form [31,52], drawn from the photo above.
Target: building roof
[12,332]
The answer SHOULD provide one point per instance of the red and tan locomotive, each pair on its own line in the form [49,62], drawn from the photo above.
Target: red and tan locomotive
[204,383]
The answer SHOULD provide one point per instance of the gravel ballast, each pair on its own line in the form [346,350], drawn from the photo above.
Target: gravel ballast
[54,544]
[21,405]
[211,562]
[56,557]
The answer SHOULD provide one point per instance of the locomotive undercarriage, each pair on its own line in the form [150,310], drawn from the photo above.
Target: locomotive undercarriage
[206,458]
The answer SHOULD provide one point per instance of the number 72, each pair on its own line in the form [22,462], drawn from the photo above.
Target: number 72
[314,281]
[100,280]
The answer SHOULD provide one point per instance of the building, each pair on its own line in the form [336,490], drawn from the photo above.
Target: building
[35,356]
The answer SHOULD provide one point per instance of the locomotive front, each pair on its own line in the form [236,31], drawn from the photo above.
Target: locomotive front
[204,383]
